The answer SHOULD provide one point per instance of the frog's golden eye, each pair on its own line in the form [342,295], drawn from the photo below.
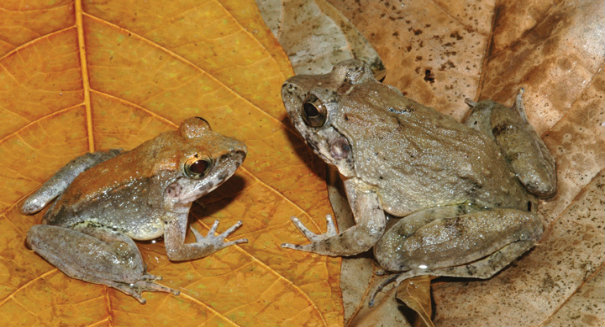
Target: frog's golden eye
[314,112]
[197,168]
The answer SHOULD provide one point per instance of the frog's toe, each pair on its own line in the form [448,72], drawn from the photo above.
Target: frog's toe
[230,230]
[308,234]
[151,277]
[311,247]
[312,236]
[137,295]
[317,240]
[239,241]
[218,241]
[145,285]
[292,246]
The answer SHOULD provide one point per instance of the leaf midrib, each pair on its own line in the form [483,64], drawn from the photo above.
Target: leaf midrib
[87,89]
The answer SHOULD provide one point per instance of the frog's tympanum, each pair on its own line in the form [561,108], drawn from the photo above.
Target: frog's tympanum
[462,197]
[103,201]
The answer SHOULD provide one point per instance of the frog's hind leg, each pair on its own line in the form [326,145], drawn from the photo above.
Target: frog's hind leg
[483,269]
[95,254]
[524,149]
[61,180]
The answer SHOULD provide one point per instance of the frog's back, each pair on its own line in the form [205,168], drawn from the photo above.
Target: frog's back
[419,158]
[121,193]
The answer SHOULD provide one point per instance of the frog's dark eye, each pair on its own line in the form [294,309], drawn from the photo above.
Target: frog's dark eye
[197,168]
[314,112]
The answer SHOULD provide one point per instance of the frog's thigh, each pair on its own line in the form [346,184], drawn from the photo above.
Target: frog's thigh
[61,179]
[483,268]
[418,219]
[488,266]
[448,242]
[94,254]
[88,254]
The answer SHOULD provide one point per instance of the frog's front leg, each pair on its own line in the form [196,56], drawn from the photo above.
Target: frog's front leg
[97,255]
[175,229]
[61,180]
[370,224]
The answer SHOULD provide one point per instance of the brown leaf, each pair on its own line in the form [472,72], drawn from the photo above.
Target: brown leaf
[359,279]
[316,36]
[87,75]
[439,53]
[416,294]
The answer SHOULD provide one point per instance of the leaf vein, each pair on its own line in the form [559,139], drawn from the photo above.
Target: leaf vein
[52,114]
[33,41]
[84,71]
[191,64]
[26,285]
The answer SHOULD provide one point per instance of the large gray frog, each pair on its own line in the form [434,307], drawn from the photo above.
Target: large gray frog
[102,201]
[464,193]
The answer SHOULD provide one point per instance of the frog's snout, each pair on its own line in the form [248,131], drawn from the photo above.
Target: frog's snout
[238,156]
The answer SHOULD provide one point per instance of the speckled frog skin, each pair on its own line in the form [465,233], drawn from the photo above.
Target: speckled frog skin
[103,201]
[462,196]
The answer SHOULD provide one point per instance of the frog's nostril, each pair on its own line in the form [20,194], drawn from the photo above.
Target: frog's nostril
[287,87]
[241,155]
[238,156]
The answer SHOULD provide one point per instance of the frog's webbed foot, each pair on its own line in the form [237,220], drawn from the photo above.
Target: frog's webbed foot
[217,242]
[315,239]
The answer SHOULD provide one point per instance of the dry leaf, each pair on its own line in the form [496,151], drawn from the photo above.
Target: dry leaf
[87,75]
[439,53]
[359,279]
[316,36]
[416,294]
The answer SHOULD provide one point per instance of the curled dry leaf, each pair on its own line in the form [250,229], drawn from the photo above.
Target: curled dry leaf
[87,75]
[439,53]
[316,36]
[359,279]
[416,295]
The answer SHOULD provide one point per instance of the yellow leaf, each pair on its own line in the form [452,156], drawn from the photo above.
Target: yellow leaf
[89,75]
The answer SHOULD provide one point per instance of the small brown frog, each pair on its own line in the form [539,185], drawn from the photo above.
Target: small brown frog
[103,201]
[462,196]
